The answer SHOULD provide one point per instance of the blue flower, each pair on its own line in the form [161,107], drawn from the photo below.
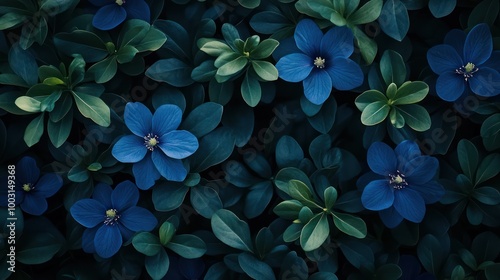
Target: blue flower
[466,62]
[322,61]
[114,12]
[404,183]
[31,190]
[156,148]
[111,217]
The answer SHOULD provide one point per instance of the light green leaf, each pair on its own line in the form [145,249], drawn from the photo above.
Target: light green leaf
[415,116]
[34,130]
[229,229]
[314,233]
[410,93]
[92,107]
[349,224]
[265,70]
[367,13]
[375,113]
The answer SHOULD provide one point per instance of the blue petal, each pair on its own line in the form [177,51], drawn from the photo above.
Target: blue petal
[406,151]
[107,241]
[100,2]
[286,46]
[345,73]
[493,62]
[378,195]
[478,44]
[137,9]
[444,59]
[450,86]
[126,233]
[171,169]
[178,144]
[102,193]
[338,42]
[308,37]
[390,217]
[317,86]
[125,195]
[456,39]
[48,185]
[27,171]
[145,173]
[138,219]
[294,67]
[409,204]
[486,82]
[431,191]
[381,159]
[88,239]
[88,212]
[420,170]
[34,205]
[138,118]
[109,17]
[166,118]
[129,149]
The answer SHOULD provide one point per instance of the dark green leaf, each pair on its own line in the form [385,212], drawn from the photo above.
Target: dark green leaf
[315,232]
[231,230]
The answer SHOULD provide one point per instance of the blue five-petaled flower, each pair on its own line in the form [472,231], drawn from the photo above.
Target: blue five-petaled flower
[405,183]
[156,148]
[323,61]
[31,190]
[111,217]
[114,12]
[466,62]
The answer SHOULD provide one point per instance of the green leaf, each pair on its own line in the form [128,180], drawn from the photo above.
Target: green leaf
[301,192]
[330,195]
[157,266]
[292,232]
[490,132]
[288,209]
[349,224]
[392,68]
[458,273]
[468,157]
[392,89]
[264,49]
[367,46]
[11,19]
[104,70]
[213,47]
[126,54]
[166,232]
[152,41]
[28,104]
[255,268]
[214,148]
[187,246]
[59,131]
[62,108]
[265,70]
[488,168]
[367,13]
[229,229]
[251,90]
[396,118]
[487,195]
[89,45]
[314,233]
[232,67]
[147,243]
[394,19]
[203,119]
[368,97]
[411,92]
[78,173]
[48,103]
[34,130]
[415,116]
[92,107]
[375,113]
[249,4]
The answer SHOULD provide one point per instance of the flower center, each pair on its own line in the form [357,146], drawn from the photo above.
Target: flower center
[319,62]
[27,187]
[111,217]
[467,71]
[397,181]
[120,2]
[150,141]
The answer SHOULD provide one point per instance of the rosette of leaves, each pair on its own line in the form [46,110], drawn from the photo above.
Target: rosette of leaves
[310,216]
[154,247]
[136,39]
[476,190]
[346,13]
[32,17]
[60,89]
[397,104]
[236,58]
